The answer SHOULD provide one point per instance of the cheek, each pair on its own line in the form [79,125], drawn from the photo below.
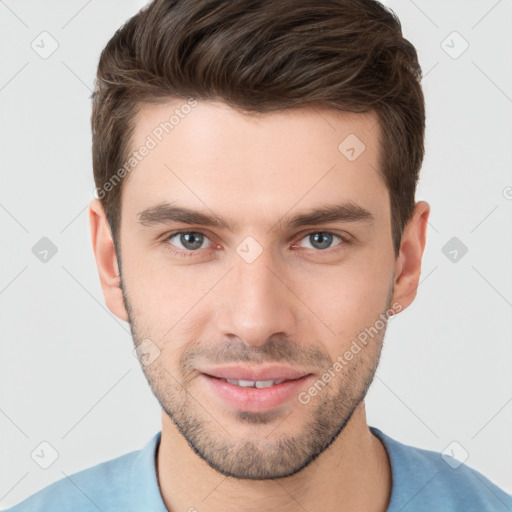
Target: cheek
[347,298]
[160,292]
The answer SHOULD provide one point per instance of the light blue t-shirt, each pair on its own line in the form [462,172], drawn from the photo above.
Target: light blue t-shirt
[422,482]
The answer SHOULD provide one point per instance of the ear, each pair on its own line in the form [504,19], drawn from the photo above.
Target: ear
[408,263]
[106,259]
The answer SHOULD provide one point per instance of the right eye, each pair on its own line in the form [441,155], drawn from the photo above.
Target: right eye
[186,241]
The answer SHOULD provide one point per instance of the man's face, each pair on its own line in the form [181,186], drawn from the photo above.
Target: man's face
[265,293]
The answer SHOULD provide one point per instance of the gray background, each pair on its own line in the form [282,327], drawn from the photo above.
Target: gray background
[68,375]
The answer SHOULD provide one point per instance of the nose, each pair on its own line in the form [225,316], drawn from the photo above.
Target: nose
[255,301]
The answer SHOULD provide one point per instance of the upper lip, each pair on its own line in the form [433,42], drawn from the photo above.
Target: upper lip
[260,373]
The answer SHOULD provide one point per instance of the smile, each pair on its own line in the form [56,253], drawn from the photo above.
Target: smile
[253,383]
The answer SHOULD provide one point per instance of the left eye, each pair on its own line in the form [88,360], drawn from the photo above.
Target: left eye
[321,240]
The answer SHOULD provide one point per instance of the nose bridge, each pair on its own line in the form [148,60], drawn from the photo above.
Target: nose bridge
[254,302]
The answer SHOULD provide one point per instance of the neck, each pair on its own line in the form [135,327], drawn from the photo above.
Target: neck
[353,473]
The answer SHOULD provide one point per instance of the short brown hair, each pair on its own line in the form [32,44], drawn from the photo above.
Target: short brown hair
[262,56]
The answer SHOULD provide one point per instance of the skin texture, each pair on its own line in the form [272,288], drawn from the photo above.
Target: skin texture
[295,304]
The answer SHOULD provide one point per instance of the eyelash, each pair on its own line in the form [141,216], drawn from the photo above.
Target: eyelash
[185,254]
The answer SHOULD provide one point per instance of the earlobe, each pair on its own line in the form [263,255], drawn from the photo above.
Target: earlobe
[106,259]
[408,264]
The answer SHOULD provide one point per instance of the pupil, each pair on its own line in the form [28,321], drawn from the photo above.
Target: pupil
[324,240]
[191,240]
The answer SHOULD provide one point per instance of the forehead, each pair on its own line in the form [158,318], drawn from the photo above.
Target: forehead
[212,156]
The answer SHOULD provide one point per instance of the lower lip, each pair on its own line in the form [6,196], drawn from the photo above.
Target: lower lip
[255,399]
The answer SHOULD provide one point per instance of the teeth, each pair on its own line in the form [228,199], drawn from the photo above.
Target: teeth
[254,383]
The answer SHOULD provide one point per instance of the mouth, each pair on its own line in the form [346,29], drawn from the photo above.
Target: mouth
[260,384]
[256,395]
[260,374]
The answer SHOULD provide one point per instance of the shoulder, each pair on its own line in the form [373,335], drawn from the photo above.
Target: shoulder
[106,486]
[423,479]
[86,490]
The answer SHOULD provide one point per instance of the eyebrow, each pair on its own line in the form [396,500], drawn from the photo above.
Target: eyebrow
[166,212]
